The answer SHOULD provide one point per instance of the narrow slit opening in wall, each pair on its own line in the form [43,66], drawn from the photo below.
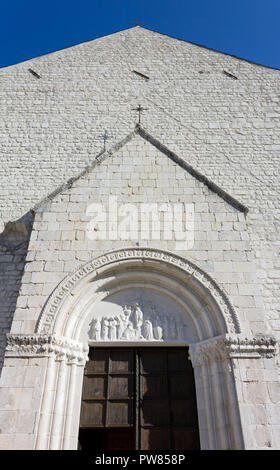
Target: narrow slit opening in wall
[141,74]
[230,75]
[34,73]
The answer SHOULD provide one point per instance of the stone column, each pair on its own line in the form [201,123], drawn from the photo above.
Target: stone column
[223,420]
[54,413]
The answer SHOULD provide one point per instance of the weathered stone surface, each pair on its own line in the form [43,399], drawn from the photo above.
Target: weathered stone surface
[211,142]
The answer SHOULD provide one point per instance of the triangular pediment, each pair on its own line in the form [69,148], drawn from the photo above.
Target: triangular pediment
[142,133]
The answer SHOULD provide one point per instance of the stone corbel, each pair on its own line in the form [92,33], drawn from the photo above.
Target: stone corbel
[231,346]
[36,345]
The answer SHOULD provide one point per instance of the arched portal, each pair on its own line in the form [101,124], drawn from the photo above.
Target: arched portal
[71,304]
[139,298]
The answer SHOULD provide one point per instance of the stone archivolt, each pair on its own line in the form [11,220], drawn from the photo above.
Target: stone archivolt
[55,301]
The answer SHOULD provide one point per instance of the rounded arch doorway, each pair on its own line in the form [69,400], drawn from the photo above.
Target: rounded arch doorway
[138,300]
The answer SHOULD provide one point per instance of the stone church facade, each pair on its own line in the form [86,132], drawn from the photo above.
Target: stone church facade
[131,238]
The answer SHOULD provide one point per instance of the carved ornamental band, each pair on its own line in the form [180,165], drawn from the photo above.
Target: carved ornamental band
[232,346]
[60,348]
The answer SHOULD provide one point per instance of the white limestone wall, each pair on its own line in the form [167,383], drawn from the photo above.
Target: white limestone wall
[13,248]
[22,385]
[138,173]
[11,270]
[258,391]
[59,243]
[227,128]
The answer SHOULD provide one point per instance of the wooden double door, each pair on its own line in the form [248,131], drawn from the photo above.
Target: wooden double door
[138,398]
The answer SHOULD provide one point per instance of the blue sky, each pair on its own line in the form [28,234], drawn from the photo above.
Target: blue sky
[246,28]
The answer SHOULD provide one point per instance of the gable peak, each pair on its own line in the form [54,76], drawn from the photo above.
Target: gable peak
[141,132]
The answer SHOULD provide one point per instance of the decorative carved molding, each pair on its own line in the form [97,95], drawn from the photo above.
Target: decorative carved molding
[63,349]
[138,322]
[232,346]
[67,285]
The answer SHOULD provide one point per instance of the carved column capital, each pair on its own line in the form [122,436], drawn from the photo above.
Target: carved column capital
[228,346]
[36,345]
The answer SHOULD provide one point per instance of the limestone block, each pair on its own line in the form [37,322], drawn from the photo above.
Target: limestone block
[7,441]
[258,414]
[263,436]
[25,422]
[274,391]
[275,430]
[23,441]
[53,266]
[273,412]
[255,392]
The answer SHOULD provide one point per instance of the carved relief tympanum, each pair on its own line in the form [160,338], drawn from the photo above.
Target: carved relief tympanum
[137,322]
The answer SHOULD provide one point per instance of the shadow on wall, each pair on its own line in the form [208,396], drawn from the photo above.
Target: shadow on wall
[13,249]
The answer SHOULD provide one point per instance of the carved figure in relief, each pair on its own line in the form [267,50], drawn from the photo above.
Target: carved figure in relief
[95,327]
[138,320]
[172,329]
[124,319]
[157,330]
[148,330]
[118,327]
[165,327]
[129,333]
[183,332]
[104,329]
[127,310]
[176,330]
[112,329]
[132,323]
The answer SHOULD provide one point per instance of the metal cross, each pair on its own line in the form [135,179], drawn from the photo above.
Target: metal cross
[139,109]
[105,137]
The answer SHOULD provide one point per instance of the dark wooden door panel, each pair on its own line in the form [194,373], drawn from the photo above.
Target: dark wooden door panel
[93,414]
[180,386]
[153,360]
[177,360]
[108,388]
[154,413]
[167,399]
[147,392]
[183,413]
[119,413]
[119,439]
[185,438]
[106,439]
[98,361]
[155,438]
[121,361]
[94,387]
[154,386]
[120,387]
